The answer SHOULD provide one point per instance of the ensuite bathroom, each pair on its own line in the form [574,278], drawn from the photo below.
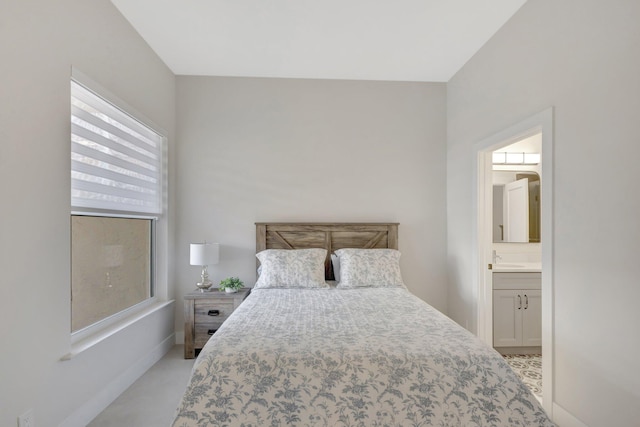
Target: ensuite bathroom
[517,258]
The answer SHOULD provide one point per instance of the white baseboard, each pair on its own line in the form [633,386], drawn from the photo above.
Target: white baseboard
[87,412]
[564,418]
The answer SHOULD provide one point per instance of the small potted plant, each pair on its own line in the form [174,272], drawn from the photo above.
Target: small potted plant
[231,284]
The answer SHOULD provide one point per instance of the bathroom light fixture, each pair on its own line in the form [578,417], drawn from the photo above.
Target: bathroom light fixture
[515,158]
[204,254]
[531,158]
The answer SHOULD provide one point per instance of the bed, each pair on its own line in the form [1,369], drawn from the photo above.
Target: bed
[369,353]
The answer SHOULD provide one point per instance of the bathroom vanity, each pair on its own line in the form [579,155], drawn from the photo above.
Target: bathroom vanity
[517,308]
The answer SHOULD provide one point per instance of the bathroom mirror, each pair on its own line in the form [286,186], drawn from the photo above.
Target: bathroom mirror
[516,206]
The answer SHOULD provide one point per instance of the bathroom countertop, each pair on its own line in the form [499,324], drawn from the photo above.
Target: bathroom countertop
[517,267]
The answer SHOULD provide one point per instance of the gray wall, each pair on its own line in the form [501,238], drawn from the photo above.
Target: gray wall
[310,150]
[581,57]
[40,42]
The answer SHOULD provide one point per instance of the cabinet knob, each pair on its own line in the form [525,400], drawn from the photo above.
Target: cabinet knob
[214,313]
[211,331]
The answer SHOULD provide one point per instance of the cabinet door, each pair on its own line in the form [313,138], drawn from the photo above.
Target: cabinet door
[507,318]
[531,317]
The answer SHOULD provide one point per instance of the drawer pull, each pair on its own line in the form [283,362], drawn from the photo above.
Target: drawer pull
[211,331]
[214,313]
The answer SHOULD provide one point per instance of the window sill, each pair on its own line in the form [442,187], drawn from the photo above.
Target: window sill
[85,344]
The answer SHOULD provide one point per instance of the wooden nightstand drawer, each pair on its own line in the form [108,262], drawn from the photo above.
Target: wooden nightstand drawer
[207,311]
[203,332]
[204,313]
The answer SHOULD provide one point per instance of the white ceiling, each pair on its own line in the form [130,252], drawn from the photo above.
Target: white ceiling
[405,40]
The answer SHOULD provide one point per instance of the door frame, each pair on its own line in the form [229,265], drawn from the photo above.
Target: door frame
[481,233]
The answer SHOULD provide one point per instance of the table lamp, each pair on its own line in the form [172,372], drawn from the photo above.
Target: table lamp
[204,254]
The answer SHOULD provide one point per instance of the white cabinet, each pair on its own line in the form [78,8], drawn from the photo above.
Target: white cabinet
[517,310]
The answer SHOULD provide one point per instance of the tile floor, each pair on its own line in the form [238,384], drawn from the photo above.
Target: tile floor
[152,400]
[529,368]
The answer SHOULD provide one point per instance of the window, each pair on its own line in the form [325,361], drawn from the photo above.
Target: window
[116,195]
[110,268]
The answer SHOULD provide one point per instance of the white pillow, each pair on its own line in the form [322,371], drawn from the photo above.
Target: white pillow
[291,268]
[369,268]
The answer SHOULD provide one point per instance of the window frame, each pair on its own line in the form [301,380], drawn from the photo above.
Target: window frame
[113,320]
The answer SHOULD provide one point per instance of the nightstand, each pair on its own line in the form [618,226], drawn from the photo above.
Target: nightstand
[204,313]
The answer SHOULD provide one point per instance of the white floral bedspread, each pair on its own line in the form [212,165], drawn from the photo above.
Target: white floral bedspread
[350,357]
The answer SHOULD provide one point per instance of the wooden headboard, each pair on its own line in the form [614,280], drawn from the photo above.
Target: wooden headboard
[329,235]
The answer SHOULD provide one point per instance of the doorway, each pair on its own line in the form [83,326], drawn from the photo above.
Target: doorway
[483,257]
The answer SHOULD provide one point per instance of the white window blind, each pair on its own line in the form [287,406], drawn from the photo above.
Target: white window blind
[116,161]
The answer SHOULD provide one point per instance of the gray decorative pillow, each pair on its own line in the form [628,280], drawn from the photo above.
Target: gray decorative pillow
[291,268]
[378,268]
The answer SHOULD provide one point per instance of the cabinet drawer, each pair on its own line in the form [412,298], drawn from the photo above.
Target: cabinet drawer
[204,314]
[516,281]
[203,332]
[208,311]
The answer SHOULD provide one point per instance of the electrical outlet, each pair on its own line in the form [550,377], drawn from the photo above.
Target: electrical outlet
[26,419]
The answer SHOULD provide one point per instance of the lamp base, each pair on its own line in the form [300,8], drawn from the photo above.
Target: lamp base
[204,283]
[204,286]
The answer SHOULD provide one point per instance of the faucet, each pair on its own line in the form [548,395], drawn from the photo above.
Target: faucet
[495,257]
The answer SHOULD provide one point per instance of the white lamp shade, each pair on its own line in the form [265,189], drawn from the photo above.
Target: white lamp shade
[204,253]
